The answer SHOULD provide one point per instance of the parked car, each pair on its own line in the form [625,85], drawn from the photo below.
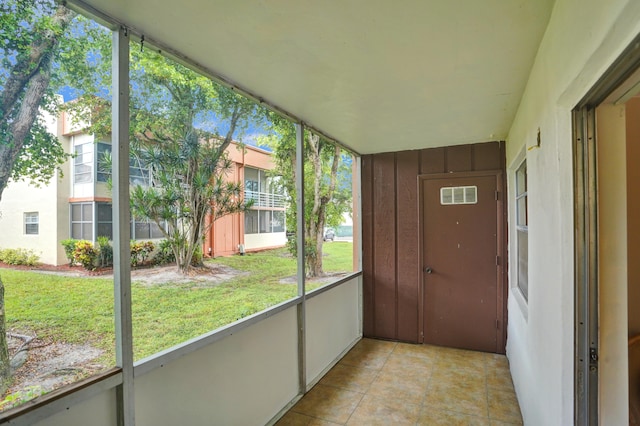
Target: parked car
[329,235]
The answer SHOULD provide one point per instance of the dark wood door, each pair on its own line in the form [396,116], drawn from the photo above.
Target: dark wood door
[460,263]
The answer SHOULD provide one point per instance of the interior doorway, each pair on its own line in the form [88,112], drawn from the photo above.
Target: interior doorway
[607,247]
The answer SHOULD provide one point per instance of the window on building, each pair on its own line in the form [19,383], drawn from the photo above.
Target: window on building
[522,230]
[145,229]
[31,223]
[251,222]
[138,170]
[278,221]
[103,153]
[264,221]
[104,219]
[82,221]
[83,163]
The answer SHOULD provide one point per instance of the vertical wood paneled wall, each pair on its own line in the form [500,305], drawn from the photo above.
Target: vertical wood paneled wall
[390,230]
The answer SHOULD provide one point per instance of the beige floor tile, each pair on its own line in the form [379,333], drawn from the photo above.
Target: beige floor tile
[389,411]
[499,379]
[457,398]
[380,382]
[427,352]
[411,389]
[365,357]
[433,417]
[461,359]
[328,403]
[407,365]
[376,344]
[349,377]
[463,376]
[503,406]
[297,419]
[294,419]
[497,361]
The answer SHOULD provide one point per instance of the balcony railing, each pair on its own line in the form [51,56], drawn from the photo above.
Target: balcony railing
[265,199]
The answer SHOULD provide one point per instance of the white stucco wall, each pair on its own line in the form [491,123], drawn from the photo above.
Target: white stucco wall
[20,198]
[583,38]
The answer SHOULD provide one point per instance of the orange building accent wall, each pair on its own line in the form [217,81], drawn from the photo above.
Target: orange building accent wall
[227,233]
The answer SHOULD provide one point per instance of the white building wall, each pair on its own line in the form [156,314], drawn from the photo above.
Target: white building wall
[583,38]
[19,198]
[258,241]
[51,203]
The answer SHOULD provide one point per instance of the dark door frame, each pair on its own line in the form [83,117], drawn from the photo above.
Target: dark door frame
[501,261]
[585,175]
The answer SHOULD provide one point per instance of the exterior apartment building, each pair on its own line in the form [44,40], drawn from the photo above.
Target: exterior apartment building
[77,202]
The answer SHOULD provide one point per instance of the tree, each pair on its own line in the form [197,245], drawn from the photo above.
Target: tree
[327,186]
[32,32]
[171,108]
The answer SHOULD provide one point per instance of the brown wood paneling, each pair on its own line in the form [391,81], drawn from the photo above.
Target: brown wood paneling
[368,235]
[459,159]
[391,237]
[486,156]
[432,161]
[384,256]
[408,240]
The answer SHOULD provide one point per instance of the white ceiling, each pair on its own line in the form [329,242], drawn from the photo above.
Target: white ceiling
[377,75]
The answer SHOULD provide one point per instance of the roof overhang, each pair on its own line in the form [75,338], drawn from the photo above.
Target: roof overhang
[376,75]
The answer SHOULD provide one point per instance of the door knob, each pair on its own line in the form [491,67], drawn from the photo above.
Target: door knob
[428,270]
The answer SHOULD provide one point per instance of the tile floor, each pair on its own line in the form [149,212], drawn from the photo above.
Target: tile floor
[387,383]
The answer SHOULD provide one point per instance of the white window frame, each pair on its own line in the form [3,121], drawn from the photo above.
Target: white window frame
[522,229]
[83,158]
[30,222]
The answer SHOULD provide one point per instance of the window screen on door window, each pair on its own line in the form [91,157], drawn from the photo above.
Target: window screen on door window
[452,195]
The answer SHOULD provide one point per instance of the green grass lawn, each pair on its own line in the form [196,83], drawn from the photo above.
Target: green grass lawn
[80,310]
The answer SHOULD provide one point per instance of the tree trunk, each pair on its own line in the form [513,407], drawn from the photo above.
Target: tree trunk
[5,366]
[31,76]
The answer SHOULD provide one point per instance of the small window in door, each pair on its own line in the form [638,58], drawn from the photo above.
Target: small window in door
[452,195]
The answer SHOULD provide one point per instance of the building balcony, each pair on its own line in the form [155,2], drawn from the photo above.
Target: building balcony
[265,199]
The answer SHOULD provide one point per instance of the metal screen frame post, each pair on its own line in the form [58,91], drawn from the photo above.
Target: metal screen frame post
[301,275]
[121,227]
[586,268]
[359,251]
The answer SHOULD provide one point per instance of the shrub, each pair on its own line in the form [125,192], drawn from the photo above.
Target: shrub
[105,253]
[85,254]
[165,253]
[19,256]
[69,246]
[140,250]
[196,260]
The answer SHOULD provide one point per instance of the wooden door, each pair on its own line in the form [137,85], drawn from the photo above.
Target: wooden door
[460,249]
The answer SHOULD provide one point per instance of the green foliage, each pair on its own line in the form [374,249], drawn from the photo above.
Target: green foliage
[22,396]
[105,252]
[327,180]
[164,254]
[85,254]
[32,32]
[140,251]
[19,256]
[69,247]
